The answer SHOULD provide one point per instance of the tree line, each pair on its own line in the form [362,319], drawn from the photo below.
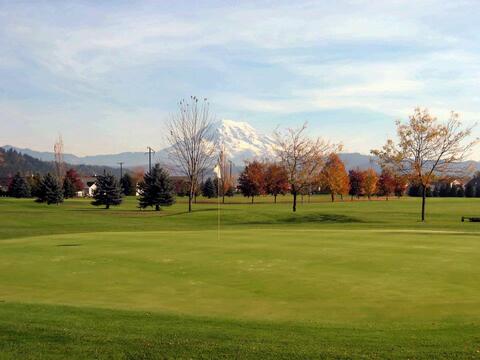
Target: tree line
[425,151]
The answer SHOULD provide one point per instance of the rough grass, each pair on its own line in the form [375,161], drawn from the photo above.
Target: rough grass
[344,280]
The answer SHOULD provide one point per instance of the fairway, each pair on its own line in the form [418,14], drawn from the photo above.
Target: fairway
[341,280]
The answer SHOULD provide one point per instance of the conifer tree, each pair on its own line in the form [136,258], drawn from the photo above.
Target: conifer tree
[156,189]
[108,191]
[50,190]
[127,184]
[470,190]
[19,187]
[35,183]
[69,190]
[208,189]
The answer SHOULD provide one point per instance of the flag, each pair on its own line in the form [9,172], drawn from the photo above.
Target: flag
[217,171]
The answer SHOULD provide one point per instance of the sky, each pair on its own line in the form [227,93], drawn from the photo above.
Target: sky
[108,74]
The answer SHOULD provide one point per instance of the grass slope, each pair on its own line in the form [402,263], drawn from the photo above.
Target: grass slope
[344,280]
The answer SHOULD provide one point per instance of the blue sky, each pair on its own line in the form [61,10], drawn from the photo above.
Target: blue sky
[108,74]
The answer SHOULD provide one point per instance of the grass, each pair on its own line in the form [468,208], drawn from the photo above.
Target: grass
[345,280]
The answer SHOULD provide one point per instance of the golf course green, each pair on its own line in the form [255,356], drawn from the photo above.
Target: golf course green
[352,279]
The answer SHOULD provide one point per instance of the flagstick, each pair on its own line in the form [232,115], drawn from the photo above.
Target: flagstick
[218,209]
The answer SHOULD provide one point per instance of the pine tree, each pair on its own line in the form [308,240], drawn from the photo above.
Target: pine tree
[127,184]
[19,187]
[50,190]
[470,190]
[35,183]
[460,191]
[108,191]
[156,189]
[208,189]
[69,190]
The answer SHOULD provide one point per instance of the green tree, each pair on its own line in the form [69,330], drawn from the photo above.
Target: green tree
[128,185]
[108,191]
[35,183]
[156,189]
[50,190]
[19,187]
[470,190]
[69,190]
[208,189]
[460,191]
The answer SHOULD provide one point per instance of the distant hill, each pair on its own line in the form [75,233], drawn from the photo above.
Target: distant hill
[12,161]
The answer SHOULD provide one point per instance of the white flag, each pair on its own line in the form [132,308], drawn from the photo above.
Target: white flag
[217,171]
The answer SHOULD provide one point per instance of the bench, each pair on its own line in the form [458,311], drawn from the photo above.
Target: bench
[471,219]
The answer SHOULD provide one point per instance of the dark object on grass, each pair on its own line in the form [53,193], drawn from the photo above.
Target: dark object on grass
[471,219]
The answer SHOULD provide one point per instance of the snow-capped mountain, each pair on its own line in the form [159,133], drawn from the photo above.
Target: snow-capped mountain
[241,141]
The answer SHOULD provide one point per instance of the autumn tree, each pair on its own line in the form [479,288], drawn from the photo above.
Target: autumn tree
[370,182]
[386,183]
[251,181]
[302,158]
[401,184]
[334,177]
[191,142]
[426,148]
[356,179]
[276,180]
[74,177]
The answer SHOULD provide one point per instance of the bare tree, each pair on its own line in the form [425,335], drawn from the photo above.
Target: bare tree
[192,142]
[426,148]
[59,162]
[302,158]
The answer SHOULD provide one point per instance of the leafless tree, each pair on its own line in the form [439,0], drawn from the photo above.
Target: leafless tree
[302,158]
[426,149]
[59,162]
[191,141]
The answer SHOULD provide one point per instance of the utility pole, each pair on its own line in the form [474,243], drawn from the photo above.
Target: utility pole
[121,168]
[150,152]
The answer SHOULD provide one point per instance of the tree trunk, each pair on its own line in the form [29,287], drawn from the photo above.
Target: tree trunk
[223,198]
[252,199]
[157,207]
[275,198]
[294,201]
[424,197]
[190,202]
[107,206]
[333,197]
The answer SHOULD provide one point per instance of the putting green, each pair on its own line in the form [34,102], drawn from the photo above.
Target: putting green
[327,276]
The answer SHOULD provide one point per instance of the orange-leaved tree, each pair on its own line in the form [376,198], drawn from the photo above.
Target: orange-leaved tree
[334,176]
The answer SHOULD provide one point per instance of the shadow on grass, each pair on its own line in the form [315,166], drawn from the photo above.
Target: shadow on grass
[308,219]
[68,245]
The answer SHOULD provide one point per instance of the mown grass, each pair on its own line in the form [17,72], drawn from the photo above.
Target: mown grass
[345,280]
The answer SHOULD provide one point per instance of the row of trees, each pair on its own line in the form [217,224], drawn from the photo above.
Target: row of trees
[261,178]
[425,149]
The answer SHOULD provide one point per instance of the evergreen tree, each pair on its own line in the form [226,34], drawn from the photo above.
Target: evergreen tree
[429,191]
[460,191]
[445,190]
[35,183]
[19,187]
[477,190]
[470,190]
[156,189]
[452,191]
[208,189]
[50,190]
[127,184]
[108,191]
[230,191]
[414,190]
[69,190]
